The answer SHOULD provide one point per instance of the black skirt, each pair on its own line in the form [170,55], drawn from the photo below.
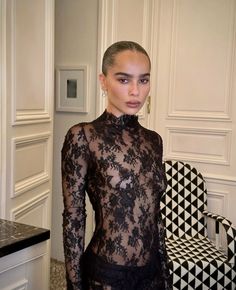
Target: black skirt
[97,274]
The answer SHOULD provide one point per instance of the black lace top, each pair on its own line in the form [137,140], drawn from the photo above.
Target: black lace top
[119,164]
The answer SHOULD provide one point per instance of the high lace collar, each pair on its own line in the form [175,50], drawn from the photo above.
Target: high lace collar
[123,121]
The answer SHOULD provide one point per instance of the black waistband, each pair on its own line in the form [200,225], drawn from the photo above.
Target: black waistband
[100,270]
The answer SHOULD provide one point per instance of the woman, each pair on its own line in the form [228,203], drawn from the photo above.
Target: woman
[119,164]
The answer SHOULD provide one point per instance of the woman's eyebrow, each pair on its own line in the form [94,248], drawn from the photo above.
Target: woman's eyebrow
[129,75]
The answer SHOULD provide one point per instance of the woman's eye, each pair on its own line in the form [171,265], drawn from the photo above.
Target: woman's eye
[123,81]
[144,81]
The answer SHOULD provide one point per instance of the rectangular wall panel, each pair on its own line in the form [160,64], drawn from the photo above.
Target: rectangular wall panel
[33,212]
[30,47]
[197,144]
[30,162]
[199,73]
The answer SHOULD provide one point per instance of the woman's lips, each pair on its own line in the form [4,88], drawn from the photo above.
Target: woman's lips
[133,104]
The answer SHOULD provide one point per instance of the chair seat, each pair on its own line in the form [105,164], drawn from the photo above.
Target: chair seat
[197,264]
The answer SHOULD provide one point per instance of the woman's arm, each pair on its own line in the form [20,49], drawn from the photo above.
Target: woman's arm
[74,169]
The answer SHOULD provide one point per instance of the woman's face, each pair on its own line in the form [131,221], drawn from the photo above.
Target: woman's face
[127,83]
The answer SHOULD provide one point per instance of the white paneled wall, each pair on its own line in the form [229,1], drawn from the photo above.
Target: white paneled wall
[193,94]
[32,174]
[196,88]
[27,83]
[29,103]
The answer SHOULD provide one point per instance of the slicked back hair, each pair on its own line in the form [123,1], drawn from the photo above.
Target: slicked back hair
[117,47]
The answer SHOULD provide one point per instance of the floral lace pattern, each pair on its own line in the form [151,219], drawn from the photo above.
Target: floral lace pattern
[119,164]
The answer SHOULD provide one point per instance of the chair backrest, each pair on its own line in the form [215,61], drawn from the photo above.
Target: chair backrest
[184,201]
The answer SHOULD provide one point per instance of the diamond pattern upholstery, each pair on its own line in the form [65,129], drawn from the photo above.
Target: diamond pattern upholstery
[194,260]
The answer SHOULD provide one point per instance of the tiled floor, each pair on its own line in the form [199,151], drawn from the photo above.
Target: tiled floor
[57,275]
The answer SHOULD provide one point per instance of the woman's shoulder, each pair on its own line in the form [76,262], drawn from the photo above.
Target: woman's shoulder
[84,126]
[78,131]
[151,134]
[85,129]
[77,128]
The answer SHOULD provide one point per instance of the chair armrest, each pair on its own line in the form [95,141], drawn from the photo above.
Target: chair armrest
[230,232]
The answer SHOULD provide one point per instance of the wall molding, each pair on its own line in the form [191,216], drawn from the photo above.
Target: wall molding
[26,208]
[194,114]
[35,115]
[105,37]
[34,180]
[221,179]
[19,285]
[3,36]
[220,197]
[177,136]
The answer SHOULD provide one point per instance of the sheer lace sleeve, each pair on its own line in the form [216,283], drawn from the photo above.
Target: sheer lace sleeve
[161,229]
[74,169]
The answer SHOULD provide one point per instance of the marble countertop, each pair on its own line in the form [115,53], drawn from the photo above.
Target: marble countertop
[16,236]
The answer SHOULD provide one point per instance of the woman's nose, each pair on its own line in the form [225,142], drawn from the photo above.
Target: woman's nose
[134,89]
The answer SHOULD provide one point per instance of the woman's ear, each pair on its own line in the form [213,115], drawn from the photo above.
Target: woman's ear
[102,79]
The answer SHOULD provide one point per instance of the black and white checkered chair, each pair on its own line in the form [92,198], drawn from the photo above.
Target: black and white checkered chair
[195,261]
